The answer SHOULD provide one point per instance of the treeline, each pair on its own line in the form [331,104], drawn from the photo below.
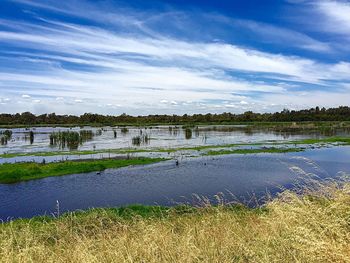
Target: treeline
[314,114]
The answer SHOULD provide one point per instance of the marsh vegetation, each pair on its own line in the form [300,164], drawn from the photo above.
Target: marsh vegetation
[5,136]
[70,139]
[142,139]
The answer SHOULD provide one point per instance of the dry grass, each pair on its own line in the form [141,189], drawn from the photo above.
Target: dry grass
[313,227]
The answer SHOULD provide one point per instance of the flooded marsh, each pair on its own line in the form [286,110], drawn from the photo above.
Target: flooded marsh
[243,162]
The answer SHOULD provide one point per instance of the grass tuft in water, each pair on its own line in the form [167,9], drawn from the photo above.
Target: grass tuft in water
[70,139]
[257,150]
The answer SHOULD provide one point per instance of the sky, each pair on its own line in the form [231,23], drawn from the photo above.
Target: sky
[173,56]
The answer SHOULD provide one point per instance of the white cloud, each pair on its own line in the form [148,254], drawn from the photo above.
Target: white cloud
[290,38]
[148,70]
[25,96]
[336,14]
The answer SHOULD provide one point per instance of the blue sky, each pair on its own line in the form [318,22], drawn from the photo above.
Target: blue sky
[175,56]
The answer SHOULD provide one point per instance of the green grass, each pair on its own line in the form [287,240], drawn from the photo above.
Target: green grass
[342,140]
[12,173]
[130,212]
[251,151]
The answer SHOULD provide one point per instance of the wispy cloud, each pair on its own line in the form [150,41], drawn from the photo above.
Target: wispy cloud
[99,67]
[336,14]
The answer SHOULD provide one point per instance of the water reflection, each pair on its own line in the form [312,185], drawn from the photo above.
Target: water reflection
[166,183]
[42,139]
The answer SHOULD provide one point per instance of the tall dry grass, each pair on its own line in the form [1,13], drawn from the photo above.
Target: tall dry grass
[313,227]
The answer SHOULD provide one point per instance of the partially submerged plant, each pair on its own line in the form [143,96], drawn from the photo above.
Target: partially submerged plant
[70,139]
[124,130]
[31,137]
[188,133]
[141,139]
[5,136]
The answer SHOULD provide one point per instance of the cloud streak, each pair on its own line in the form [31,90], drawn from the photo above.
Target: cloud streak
[109,70]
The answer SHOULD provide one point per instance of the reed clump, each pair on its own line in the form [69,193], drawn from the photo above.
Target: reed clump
[188,133]
[124,130]
[143,139]
[31,137]
[308,227]
[5,136]
[70,139]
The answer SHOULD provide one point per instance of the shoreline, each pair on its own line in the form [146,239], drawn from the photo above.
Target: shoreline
[311,227]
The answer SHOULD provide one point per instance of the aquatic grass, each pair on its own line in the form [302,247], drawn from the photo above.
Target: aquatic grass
[343,140]
[309,227]
[3,140]
[188,133]
[124,130]
[17,172]
[7,133]
[252,151]
[142,139]
[70,139]
[31,137]
[5,136]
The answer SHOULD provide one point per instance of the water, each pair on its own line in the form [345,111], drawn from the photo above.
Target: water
[160,137]
[247,177]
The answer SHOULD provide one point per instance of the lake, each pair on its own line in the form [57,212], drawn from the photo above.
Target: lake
[246,178]
[159,137]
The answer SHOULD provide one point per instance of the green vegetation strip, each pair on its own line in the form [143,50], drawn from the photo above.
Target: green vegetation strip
[342,140]
[251,151]
[12,173]
[55,153]
[130,212]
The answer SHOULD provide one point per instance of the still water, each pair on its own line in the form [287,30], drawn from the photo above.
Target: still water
[240,177]
[158,137]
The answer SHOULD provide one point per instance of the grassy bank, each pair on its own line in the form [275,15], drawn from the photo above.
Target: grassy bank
[314,227]
[11,173]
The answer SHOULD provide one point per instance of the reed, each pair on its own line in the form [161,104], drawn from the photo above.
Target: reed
[7,133]
[188,133]
[124,130]
[31,137]
[5,136]
[70,139]
[143,139]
